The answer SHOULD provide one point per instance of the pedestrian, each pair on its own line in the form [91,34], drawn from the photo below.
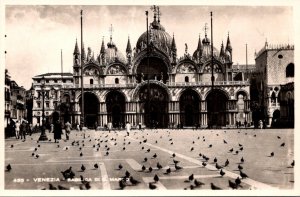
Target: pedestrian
[68,129]
[77,127]
[109,126]
[57,131]
[128,127]
[23,130]
[17,129]
[140,126]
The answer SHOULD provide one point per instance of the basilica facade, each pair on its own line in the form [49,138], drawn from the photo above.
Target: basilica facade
[152,85]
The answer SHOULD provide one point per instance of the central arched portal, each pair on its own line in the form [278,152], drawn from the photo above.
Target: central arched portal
[189,108]
[154,100]
[216,108]
[91,107]
[115,105]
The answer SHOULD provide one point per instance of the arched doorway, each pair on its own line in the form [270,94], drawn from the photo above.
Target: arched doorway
[91,107]
[115,105]
[216,108]
[189,108]
[157,70]
[154,100]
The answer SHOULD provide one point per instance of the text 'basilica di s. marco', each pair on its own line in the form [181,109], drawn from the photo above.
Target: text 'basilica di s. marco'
[151,85]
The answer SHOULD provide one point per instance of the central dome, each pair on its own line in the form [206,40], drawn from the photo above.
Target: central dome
[112,54]
[157,35]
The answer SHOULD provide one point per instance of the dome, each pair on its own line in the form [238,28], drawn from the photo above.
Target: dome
[206,53]
[112,54]
[160,38]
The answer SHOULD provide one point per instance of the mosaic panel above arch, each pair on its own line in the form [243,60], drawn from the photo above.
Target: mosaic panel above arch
[116,70]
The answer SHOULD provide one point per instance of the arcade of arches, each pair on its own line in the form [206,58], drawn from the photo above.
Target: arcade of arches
[152,106]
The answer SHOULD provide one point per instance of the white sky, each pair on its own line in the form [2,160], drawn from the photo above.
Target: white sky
[36,34]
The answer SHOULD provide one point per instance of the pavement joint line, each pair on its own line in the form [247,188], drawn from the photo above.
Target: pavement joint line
[251,182]
[104,175]
[158,184]
[134,164]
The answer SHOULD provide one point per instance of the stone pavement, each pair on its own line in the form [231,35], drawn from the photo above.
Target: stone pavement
[110,149]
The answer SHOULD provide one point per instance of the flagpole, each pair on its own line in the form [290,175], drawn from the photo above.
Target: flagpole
[82,62]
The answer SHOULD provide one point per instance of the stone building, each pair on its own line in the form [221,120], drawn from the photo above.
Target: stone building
[273,84]
[151,86]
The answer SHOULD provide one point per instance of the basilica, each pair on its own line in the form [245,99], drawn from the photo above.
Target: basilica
[152,85]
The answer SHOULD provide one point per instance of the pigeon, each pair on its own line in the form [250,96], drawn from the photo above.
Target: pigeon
[240,145]
[215,160]
[278,137]
[210,146]
[156,178]
[159,166]
[152,186]
[81,154]
[148,150]
[168,171]
[107,153]
[178,167]
[51,187]
[143,168]
[32,154]
[242,160]
[224,141]
[243,175]
[193,142]
[124,148]
[238,181]
[156,142]
[58,146]
[122,184]
[293,163]
[192,148]
[272,154]
[145,159]
[232,184]
[120,166]
[218,166]
[35,149]
[191,177]
[11,146]
[198,183]
[83,168]
[143,148]
[155,155]
[39,145]
[226,163]
[8,168]
[222,173]
[192,187]
[60,187]
[150,169]
[68,174]
[175,161]
[127,174]
[200,155]
[37,156]
[283,144]
[96,166]
[231,150]
[242,148]
[240,167]
[171,143]
[204,164]
[133,181]
[214,187]
[237,152]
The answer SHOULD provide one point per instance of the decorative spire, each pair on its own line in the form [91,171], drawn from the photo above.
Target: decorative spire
[205,41]
[102,50]
[128,48]
[199,48]
[228,45]
[173,46]
[158,15]
[76,49]
[222,52]
[154,9]
[111,31]
[93,57]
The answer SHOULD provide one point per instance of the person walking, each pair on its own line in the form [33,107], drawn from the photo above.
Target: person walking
[17,129]
[23,130]
[68,129]
[57,131]
[128,127]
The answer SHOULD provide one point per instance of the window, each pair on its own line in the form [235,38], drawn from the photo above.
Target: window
[47,104]
[186,79]
[289,71]
[273,98]
[91,81]
[38,105]
[64,81]
[55,81]
[116,80]
[47,81]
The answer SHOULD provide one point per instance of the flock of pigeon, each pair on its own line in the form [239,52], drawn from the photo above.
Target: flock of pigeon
[110,138]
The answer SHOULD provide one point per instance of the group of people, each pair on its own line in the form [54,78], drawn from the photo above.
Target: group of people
[22,129]
[58,130]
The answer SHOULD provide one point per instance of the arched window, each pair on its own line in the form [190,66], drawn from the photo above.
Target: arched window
[273,98]
[289,71]
[91,81]
[116,80]
[186,79]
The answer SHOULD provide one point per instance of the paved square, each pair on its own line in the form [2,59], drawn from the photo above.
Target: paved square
[109,150]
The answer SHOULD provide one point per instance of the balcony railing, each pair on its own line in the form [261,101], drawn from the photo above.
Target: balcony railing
[132,85]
